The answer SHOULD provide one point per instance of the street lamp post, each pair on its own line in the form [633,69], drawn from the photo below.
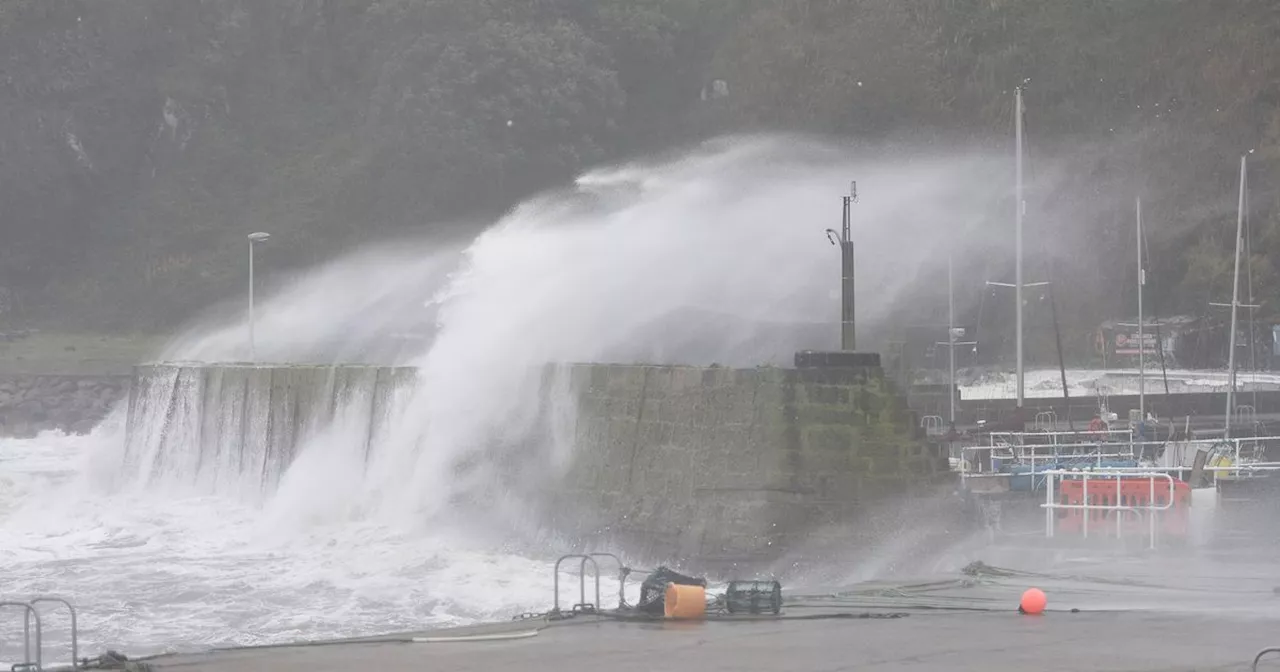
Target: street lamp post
[256,237]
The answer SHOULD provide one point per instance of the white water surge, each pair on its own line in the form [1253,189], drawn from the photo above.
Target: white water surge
[714,256]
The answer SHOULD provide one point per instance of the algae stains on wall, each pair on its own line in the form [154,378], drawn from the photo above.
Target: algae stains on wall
[720,466]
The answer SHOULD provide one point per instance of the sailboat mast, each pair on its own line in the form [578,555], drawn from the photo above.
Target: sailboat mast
[1019,207]
[1235,305]
[1142,343]
[951,336]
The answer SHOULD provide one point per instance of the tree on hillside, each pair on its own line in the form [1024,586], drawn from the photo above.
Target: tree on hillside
[142,140]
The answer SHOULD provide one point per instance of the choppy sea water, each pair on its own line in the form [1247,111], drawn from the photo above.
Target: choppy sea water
[152,573]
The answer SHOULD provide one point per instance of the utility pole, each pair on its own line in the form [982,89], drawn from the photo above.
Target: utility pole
[848,335]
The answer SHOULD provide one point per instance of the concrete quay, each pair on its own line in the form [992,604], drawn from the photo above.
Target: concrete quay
[990,642]
[1116,613]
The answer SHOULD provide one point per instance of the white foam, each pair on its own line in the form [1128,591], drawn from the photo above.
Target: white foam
[151,572]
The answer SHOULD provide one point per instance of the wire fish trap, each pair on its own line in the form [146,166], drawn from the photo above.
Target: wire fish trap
[753,597]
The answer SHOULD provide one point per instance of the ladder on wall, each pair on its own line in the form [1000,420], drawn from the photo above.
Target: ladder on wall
[33,638]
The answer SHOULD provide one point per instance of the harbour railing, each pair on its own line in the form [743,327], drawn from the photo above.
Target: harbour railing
[1235,457]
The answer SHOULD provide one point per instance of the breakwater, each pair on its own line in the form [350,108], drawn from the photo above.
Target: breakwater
[709,465]
[729,467]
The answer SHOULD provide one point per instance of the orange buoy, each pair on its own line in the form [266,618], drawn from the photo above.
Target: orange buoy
[1033,601]
[686,602]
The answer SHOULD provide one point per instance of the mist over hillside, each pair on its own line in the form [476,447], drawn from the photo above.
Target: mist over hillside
[142,140]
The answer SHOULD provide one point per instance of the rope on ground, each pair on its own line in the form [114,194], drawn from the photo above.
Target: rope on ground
[933,606]
[491,637]
[978,568]
[554,615]
[897,590]
[889,615]
[112,660]
[531,615]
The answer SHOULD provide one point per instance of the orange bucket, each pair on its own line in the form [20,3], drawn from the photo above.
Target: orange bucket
[685,602]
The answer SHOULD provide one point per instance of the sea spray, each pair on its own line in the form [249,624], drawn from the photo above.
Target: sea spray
[712,256]
[716,255]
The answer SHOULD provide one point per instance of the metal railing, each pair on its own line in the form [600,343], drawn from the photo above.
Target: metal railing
[1080,437]
[582,605]
[622,577]
[75,633]
[1176,456]
[1240,451]
[1258,658]
[1041,454]
[932,425]
[30,613]
[1151,507]
[1247,470]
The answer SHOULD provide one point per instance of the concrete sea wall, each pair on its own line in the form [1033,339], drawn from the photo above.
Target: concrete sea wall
[30,404]
[720,467]
[245,423]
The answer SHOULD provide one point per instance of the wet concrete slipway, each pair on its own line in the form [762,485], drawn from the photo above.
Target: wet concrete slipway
[1145,610]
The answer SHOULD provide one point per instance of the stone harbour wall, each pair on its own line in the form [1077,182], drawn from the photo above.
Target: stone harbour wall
[717,468]
[30,404]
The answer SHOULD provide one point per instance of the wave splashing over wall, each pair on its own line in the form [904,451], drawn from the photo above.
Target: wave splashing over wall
[235,486]
[715,256]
